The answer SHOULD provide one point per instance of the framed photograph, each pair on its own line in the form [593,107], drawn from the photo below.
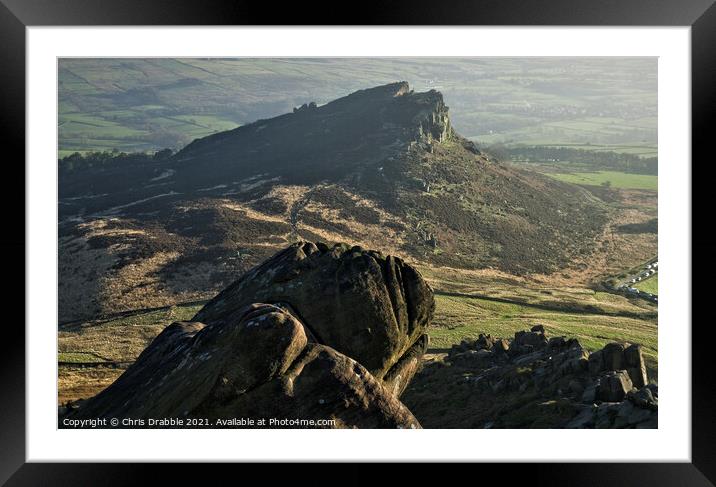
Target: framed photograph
[432,235]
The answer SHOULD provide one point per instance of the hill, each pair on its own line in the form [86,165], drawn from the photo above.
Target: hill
[145,104]
[381,167]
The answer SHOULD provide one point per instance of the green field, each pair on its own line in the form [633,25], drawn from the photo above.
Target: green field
[614,179]
[650,285]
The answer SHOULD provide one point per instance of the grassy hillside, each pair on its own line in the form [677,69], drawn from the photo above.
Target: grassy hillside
[93,353]
[466,317]
[472,303]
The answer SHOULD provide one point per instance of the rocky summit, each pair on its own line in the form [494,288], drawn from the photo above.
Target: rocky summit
[334,141]
[317,332]
[382,167]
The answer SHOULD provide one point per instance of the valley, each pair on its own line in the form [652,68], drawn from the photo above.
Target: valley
[93,351]
[149,238]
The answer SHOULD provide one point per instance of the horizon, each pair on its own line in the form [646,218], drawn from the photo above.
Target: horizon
[144,104]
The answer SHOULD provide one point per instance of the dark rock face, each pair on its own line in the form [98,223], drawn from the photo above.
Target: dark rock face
[614,386]
[533,381]
[528,341]
[315,333]
[615,356]
[634,362]
[371,308]
[318,142]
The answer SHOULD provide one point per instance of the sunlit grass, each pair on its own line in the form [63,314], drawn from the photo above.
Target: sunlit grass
[459,318]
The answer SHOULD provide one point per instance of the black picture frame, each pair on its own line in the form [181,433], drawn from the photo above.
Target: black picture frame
[16,15]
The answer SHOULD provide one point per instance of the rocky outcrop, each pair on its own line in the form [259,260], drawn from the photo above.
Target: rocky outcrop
[424,113]
[328,336]
[370,307]
[319,143]
[539,382]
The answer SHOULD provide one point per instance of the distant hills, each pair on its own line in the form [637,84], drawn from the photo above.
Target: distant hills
[381,167]
[145,104]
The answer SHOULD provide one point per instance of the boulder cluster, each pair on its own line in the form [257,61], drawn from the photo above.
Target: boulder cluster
[317,336]
[608,388]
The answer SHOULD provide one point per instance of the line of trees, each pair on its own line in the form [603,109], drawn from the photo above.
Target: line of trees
[629,163]
[104,159]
